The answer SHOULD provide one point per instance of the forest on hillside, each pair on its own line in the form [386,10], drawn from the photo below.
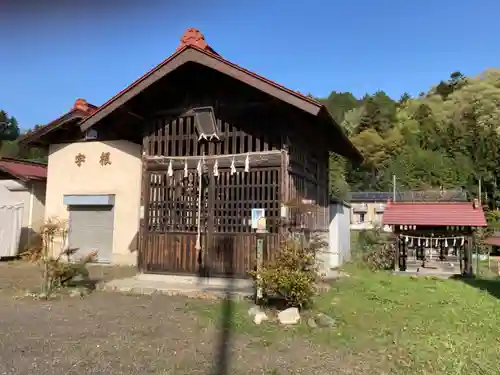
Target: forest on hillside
[448,137]
[10,132]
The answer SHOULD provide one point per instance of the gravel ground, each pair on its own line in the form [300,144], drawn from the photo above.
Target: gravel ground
[111,333]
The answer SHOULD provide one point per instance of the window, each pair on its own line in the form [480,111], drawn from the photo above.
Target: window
[361,217]
[91,134]
[205,123]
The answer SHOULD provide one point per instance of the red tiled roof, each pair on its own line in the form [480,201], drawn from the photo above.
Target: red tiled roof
[433,214]
[81,109]
[23,169]
[493,240]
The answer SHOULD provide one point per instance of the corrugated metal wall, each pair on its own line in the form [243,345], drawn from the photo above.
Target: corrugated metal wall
[11,219]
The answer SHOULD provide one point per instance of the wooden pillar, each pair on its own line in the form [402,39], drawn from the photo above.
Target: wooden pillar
[145,222]
[144,202]
[468,257]
[208,248]
[459,252]
[396,253]
[404,256]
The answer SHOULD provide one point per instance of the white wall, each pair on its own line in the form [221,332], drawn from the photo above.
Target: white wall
[121,178]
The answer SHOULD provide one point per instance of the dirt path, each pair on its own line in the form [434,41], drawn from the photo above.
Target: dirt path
[109,333]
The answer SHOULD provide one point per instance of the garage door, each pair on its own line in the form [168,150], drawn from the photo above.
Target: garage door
[91,229]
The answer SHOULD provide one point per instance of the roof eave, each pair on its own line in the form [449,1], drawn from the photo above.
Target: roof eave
[35,136]
[351,152]
[13,174]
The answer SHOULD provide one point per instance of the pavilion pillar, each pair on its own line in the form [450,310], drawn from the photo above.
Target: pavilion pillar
[468,258]
[396,253]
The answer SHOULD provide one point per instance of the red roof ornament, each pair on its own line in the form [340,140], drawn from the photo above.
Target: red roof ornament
[84,106]
[193,37]
[81,104]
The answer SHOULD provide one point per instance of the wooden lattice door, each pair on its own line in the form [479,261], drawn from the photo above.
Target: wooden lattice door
[171,221]
[231,241]
[227,239]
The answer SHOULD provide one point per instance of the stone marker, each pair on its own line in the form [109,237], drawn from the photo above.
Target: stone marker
[252,311]
[323,320]
[311,323]
[260,317]
[289,316]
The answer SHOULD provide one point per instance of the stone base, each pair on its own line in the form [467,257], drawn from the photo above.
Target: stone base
[126,259]
[192,287]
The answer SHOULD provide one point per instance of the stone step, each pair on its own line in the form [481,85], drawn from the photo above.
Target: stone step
[135,286]
[427,273]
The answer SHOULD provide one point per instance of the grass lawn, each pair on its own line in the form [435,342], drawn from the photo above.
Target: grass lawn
[385,325]
[397,325]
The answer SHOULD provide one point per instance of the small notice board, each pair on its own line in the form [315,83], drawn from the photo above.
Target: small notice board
[259,219]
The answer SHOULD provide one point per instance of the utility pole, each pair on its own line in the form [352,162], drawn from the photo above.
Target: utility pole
[495,193]
[479,191]
[473,241]
[394,188]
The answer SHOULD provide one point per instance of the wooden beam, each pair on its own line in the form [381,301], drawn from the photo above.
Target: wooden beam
[256,159]
[188,109]
[133,114]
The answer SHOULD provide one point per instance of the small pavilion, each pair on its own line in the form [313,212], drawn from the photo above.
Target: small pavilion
[436,235]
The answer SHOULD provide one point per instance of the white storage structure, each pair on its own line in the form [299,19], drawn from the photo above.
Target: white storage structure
[11,222]
[339,233]
[338,237]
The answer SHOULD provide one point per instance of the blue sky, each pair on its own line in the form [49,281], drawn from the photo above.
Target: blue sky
[54,54]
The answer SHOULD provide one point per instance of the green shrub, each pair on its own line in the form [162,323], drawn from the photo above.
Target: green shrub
[375,249]
[293,273]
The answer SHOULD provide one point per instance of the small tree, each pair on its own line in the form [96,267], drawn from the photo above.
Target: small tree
[55,272]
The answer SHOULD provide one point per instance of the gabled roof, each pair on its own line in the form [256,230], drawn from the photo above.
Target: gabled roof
[81,109]
[23,170]
[434,214]
[194,48]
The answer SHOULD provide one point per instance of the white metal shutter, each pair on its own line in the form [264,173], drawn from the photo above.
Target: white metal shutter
[91,229]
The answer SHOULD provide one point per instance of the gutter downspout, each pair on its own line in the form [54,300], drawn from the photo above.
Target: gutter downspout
[30,212]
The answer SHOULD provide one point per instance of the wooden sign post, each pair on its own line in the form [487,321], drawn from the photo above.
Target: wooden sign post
[259,224]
